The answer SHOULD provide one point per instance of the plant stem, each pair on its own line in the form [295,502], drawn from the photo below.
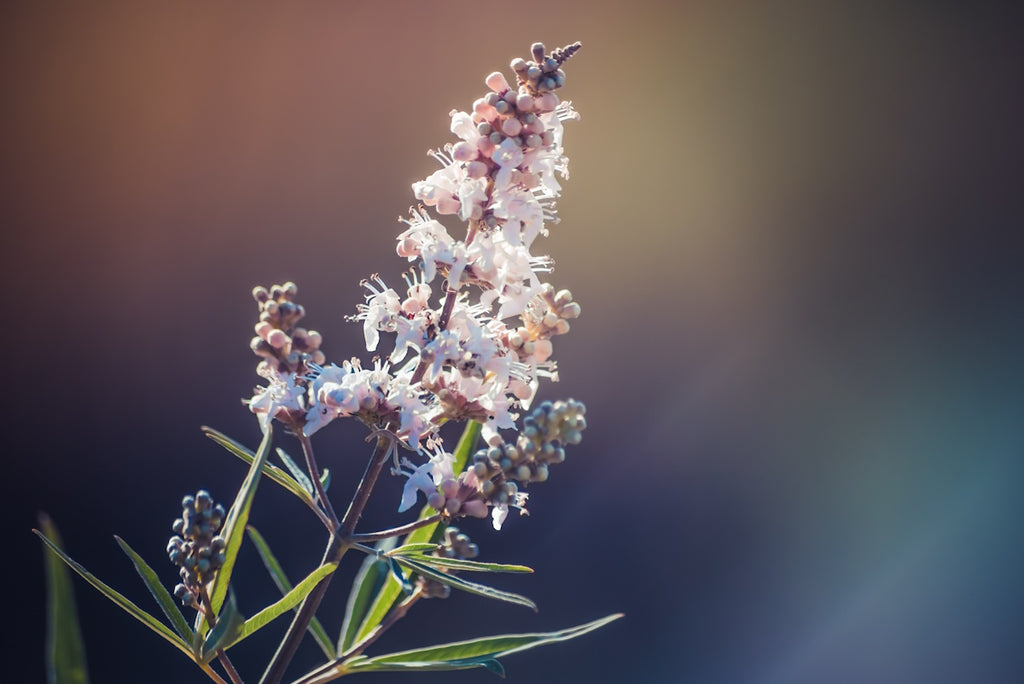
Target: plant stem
[205,667]
[442,324]
[396,531]
[394,616]
[228,667]
[314,472]
[336,668]
[337,545]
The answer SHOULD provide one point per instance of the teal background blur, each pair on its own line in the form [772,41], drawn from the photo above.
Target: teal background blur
[793,229]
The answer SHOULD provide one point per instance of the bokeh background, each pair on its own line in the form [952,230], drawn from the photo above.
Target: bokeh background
[793,228]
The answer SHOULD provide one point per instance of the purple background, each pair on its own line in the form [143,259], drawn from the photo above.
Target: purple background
[794,234]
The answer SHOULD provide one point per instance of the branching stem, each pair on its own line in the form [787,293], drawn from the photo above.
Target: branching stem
[337,545]
[336,668]
[396,531]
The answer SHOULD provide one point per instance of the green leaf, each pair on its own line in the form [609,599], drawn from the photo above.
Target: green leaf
[227,630]
[472,653]
[126,605]
[460,564]
[272,471]
[429,533]
[297,472]
[399,575]
[286,602]
[234,524]
[365,665]
[325,479]
[409,549]
[285,586]
[65,650]
[368,582]
[159,592]
[464,585]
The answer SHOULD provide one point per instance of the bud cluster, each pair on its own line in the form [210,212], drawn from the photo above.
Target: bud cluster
[545,316]
[284,347]
[539,444]
[543,73]
[497,473]
[196,547]
[456,545]
[511,139]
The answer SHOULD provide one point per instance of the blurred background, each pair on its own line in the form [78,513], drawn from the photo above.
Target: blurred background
[793,229]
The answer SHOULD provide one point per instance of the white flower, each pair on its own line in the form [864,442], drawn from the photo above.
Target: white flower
[427,478]
[508,156]
[280,393]
[500,511]
[420,480]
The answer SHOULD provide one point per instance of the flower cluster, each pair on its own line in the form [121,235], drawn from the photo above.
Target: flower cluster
[500,471]
[472,332]
[196,548]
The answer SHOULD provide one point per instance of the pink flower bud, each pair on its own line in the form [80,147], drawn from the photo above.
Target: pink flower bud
[524,102]
[474,169]
[464,151]
[263,329]
[535,127]
[486,146]
[448,205]
[496,82]
[542,350]
[475,508]
[408,248]
[277,339]
[511,127]
[546,102]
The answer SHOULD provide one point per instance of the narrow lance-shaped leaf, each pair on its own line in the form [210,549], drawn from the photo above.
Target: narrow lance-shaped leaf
[234,524]
[126,605]
[429,533]
[410,549]
[65,650]
[372,576]
[464,585]
[159,592]
[286,602]
[269,469]
[471,653]
[297,472]
[398,575]
[460,564]
[285,586]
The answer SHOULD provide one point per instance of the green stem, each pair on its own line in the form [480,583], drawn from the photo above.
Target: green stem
[205,667]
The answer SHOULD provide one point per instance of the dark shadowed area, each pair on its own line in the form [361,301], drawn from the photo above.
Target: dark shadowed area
[794,232]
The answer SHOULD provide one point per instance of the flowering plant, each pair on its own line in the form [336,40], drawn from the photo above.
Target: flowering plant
[471,342]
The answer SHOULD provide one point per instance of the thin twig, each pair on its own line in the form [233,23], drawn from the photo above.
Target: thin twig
[338,544]
[385,443]
[228,667]
[396,531]
[442,324]
[394,616]
[314,472]
[336,668]
[205,667]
